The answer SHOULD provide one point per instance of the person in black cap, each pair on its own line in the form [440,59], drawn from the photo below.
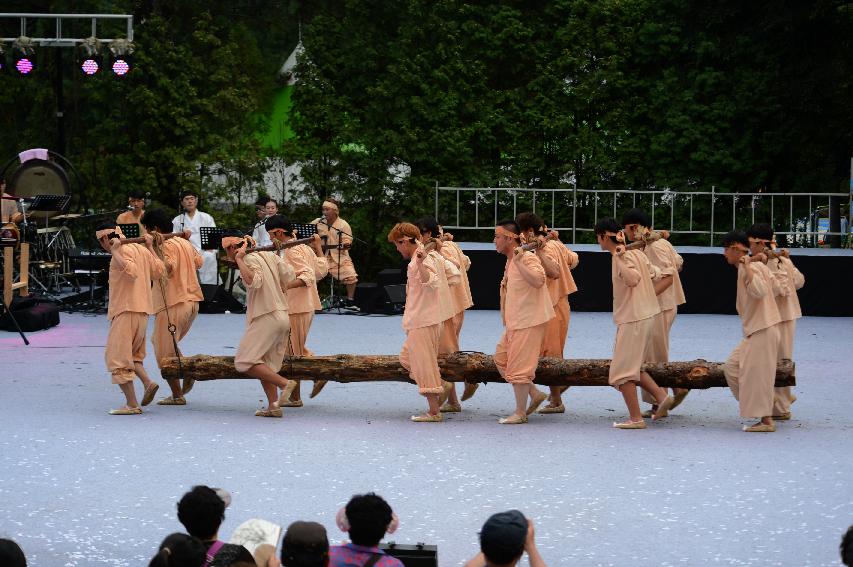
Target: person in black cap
[305,544]
[505,537]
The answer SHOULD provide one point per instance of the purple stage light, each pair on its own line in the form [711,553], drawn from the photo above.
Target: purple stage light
[120,67]
[24,66]
[90,66]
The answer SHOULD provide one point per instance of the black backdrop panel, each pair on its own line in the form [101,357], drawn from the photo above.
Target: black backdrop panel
[709,283]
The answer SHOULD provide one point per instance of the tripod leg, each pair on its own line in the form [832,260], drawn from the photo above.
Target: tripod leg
[15,321]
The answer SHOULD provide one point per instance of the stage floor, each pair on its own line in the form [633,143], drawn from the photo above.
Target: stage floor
[80,487]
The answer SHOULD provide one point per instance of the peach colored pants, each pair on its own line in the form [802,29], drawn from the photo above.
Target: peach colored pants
[182,316]
[300,324]
[658,350]
[264,342]
[418,356]
[347,273]
[449,340]
[751,372]
[629,351]
[557,330]
[125,345]
[783,397]
[458,319]
[517,353]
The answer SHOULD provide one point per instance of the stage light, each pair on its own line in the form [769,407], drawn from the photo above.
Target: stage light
[88,56]
[23,55]
[122,52]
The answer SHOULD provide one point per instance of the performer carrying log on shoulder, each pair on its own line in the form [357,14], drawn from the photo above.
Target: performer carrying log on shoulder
[635,307]
[526,310]
[449,281]
[262,348]
[790,279]
[558,261]
[421,318]
[751,367]
[176,296]
[132,268]
[670,294]
[309,266]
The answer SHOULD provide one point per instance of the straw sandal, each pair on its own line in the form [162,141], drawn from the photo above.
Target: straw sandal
[172,401]
[150,391]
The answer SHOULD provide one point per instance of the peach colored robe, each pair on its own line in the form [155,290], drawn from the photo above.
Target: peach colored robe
[634,309]
[182,294]
[751,368]
[526,310]
[267,321]
[559,289]
[129,307]
[422,320]
[302,301]
[788,304]
[345,270]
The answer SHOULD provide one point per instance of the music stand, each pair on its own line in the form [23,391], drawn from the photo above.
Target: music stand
[130,230]
[304,230]
[211,237]
[49,203]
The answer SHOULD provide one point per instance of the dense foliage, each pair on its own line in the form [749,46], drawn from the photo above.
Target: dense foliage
[395,96]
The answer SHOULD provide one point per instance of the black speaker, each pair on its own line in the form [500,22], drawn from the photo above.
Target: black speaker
[396,294]
[390,277]
[369,297]
[31,315]
[217,300]
[418,555]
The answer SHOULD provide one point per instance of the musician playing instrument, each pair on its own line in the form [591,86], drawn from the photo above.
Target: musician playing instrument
[526,309]
[132,268]
[136,202]
[9,210]
[265,207]
[790,279]
[460,297]
[262,348]
[193,219]
[176,297]
[558,262]
[670,294]
[751,367]
[309,266]
[635,307]
[422,318]
[337,235]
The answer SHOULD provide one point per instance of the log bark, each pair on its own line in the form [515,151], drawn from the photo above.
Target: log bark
[466,367]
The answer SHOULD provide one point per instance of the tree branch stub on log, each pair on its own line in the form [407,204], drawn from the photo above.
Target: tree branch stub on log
[467,367]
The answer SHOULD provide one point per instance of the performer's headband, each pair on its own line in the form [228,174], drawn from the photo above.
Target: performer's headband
[107,231]
[619,236]
[738,246]
[770,243]
[501,231]
[229,241]
[330,205]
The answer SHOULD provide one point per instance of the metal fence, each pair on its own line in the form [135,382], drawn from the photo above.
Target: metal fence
[799,216]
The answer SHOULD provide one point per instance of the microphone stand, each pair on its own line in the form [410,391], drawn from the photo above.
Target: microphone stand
[333,303]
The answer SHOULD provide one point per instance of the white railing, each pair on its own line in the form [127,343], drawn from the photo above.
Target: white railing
[796,215]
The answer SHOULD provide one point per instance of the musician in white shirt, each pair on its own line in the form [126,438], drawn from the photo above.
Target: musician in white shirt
[265,207]
[192,219]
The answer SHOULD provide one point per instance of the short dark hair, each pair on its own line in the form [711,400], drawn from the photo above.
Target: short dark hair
[637,216]
[368,516]
[305,544]
[179,549]
[510,225]
[735,237]
[606,225]
[279,221]
[428,224]
[136,194]
[760,230]
[201,511]
[157,218]
[11,554]
[530,221]
[262,200]
[503,536]
[846,547]
[190,192]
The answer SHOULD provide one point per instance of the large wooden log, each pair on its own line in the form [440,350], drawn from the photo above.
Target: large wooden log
[466,367]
